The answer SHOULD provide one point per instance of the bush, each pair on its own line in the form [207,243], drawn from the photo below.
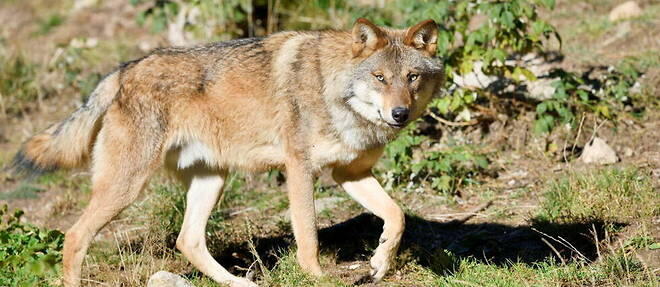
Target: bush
[28,255]
[445,170]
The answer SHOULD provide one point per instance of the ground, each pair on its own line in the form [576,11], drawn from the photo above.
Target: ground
[535,217]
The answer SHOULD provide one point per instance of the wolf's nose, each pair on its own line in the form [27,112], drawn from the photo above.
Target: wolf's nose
[400,114]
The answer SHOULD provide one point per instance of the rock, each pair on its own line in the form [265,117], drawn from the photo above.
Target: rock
[625,10]
[628,152]
[83,4]
[167,279]
[598,152]
[541,89]
[476,79]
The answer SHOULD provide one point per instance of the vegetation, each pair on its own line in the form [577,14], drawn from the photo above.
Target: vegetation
[588,225]
[29,255]
[605,195]
[18,84]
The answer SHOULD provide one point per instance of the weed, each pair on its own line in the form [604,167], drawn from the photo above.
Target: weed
[445,170]
[49,23]
[18,84]
[29,255]
[605,96]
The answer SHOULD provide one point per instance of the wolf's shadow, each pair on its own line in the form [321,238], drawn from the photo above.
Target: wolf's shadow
[427,243]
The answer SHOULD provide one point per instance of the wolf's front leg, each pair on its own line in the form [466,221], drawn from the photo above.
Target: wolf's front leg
[303,215]
[366,190]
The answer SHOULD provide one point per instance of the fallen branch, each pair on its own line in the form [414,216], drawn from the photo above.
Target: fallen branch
[454,124]
[471,213]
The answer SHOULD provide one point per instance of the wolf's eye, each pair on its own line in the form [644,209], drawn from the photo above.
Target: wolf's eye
[380,78]
[412,77]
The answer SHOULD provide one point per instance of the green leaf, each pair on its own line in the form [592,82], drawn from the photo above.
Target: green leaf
[541,108]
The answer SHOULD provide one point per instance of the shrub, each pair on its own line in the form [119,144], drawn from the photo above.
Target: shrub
[28,255]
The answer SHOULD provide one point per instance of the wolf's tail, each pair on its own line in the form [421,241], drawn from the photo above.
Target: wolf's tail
[68,143]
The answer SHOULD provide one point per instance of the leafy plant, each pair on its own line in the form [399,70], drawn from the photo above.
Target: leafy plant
[28,254]
[601,96]
[444,170]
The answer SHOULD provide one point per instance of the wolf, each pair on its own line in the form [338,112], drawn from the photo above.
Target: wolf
[297,101]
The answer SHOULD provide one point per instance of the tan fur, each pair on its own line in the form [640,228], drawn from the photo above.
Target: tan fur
[301,101]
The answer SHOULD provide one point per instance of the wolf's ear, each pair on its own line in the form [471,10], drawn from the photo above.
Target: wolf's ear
[367,38]
[423,37]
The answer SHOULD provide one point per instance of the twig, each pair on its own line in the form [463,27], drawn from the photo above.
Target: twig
[94,281]
[454,124]
[596,242]
[593,134]
[471,213]
[254,252]
[234,213]
[562,242]
[563,262]
[563,151]
[578,134]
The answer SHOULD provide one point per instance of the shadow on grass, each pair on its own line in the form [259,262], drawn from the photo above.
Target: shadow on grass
[426,241]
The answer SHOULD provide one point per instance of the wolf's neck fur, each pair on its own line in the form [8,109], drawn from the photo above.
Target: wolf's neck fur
[322,62]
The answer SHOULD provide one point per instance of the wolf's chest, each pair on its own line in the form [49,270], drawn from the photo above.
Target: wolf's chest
[326,151]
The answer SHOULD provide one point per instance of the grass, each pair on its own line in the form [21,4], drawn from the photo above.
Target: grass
[47,24]
[601,194]
[18,84]
[605,195]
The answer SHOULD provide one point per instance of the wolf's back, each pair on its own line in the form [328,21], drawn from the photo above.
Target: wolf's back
[68,143]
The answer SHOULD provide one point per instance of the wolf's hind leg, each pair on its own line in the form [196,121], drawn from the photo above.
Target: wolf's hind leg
[205,189]
[366,190]
[121,168]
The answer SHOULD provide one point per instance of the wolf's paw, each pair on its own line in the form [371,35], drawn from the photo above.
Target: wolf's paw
[380,264]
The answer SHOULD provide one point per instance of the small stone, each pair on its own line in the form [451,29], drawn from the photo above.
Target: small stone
[167,279]
[628,152]
[598,152]
[625,10]
[354,266]
[541,89]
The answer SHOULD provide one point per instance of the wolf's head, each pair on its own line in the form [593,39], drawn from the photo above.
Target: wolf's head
[396,73]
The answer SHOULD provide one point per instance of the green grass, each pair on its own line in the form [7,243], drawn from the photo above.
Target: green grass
[18,84]
[287,272]
[23,191]
[47,24]
[611,194]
